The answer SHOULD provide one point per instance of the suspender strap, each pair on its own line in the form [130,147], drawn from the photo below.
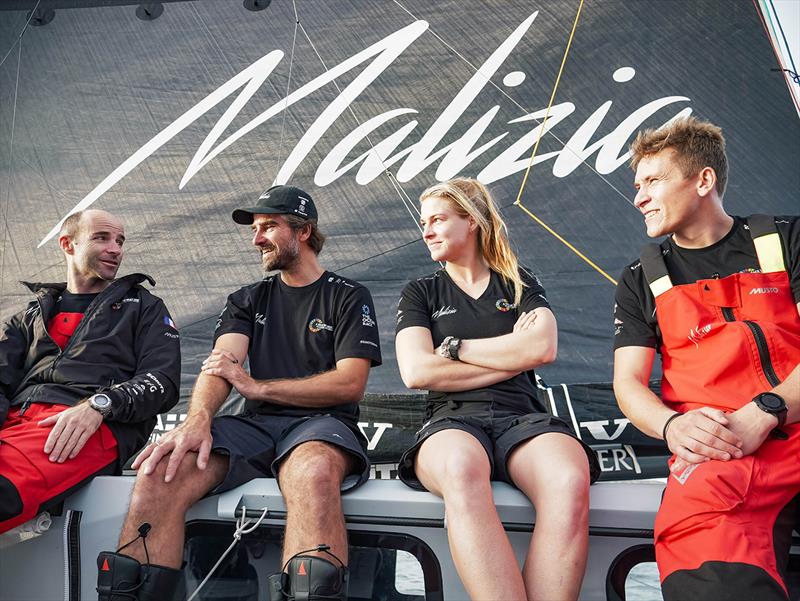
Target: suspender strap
[767,242]
[655,270]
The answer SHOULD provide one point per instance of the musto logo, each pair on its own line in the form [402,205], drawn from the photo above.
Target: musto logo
[504,306]
[315,325]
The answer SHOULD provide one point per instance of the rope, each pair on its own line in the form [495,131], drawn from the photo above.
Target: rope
[542,131]
[407,202]
[289,81]
[243,526]
[7,231]
[519,106]
[528,170]
[21,33]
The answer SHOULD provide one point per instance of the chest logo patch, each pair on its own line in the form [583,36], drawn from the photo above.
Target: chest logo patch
[317,325]
[503,305]
[764,291]
[441,312]
[698,333]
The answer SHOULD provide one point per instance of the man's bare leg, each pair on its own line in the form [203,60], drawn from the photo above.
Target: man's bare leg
[164,504]
[310,479]
[552,471]
[454,465]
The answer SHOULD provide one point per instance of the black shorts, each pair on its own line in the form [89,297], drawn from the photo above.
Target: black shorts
[499,432]
[256,445]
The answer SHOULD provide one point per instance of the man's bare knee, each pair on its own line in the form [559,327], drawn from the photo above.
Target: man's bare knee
[313,468]
[152,493]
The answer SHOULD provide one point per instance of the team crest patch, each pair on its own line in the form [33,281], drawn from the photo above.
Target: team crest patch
[366,318]
[317,325]
[504,306]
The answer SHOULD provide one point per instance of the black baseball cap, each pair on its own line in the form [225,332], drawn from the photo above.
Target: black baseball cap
[279,200]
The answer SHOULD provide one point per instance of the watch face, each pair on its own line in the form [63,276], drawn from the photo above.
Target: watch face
[101,401]
[772,402]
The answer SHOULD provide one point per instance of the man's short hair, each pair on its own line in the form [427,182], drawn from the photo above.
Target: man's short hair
[72,225]
[697,145]
[316,240]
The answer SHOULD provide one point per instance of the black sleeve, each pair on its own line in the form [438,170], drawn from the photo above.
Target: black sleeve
[632,305]
[356,333]
[154,388]
[533,294]
[413,307]
[789,229]
[237,316]
[14,344]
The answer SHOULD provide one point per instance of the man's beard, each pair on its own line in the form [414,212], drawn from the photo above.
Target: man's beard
[284,259]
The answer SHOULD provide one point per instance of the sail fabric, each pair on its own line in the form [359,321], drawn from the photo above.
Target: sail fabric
[171,123]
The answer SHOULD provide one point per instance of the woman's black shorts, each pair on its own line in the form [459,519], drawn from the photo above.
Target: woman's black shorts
[500,432]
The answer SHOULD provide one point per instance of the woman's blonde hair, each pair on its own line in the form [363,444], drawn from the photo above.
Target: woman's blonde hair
[470,197]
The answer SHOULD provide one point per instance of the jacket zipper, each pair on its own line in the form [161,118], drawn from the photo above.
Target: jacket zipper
[24,407]
[761,345]
[86,316]
[763,352]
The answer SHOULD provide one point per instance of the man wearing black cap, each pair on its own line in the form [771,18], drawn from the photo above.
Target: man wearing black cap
[311,338]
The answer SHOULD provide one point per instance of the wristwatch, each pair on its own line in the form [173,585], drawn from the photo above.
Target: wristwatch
[774,404]
[101,403]
[449,348]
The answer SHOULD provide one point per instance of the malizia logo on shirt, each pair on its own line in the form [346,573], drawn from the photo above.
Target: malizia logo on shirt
[503,305]
[317,325]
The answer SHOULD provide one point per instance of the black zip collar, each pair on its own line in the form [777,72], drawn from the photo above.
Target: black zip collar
[132,279]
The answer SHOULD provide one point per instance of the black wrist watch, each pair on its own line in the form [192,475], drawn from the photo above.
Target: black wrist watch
[101,403]
[449,348]
[774,404]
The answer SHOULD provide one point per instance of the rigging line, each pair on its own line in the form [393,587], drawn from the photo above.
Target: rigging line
[568,245]
[7,231]
[21,33]
[783,35]
[761,12]
[549,104]
[409,205]
[288,83]
[518,202]
[564,145]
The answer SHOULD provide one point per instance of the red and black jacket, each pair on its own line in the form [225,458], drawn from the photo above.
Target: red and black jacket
[126,346]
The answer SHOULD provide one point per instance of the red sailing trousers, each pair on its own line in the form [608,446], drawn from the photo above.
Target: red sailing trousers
[724,528]
[28,479]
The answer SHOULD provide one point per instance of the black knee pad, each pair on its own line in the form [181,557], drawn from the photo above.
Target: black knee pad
[117,577]
[313,579]
[10,501]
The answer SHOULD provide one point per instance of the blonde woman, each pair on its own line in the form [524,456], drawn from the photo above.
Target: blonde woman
[470,334]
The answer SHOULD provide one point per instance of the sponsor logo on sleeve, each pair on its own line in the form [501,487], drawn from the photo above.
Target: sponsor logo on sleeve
[366,318]
[369,342]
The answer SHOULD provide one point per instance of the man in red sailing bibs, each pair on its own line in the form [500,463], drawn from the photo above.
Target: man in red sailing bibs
[718,298]
[84,370]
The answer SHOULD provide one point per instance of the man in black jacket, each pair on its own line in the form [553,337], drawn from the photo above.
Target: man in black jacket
[84,370]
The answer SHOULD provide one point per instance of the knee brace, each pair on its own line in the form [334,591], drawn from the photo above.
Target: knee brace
[309,579]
